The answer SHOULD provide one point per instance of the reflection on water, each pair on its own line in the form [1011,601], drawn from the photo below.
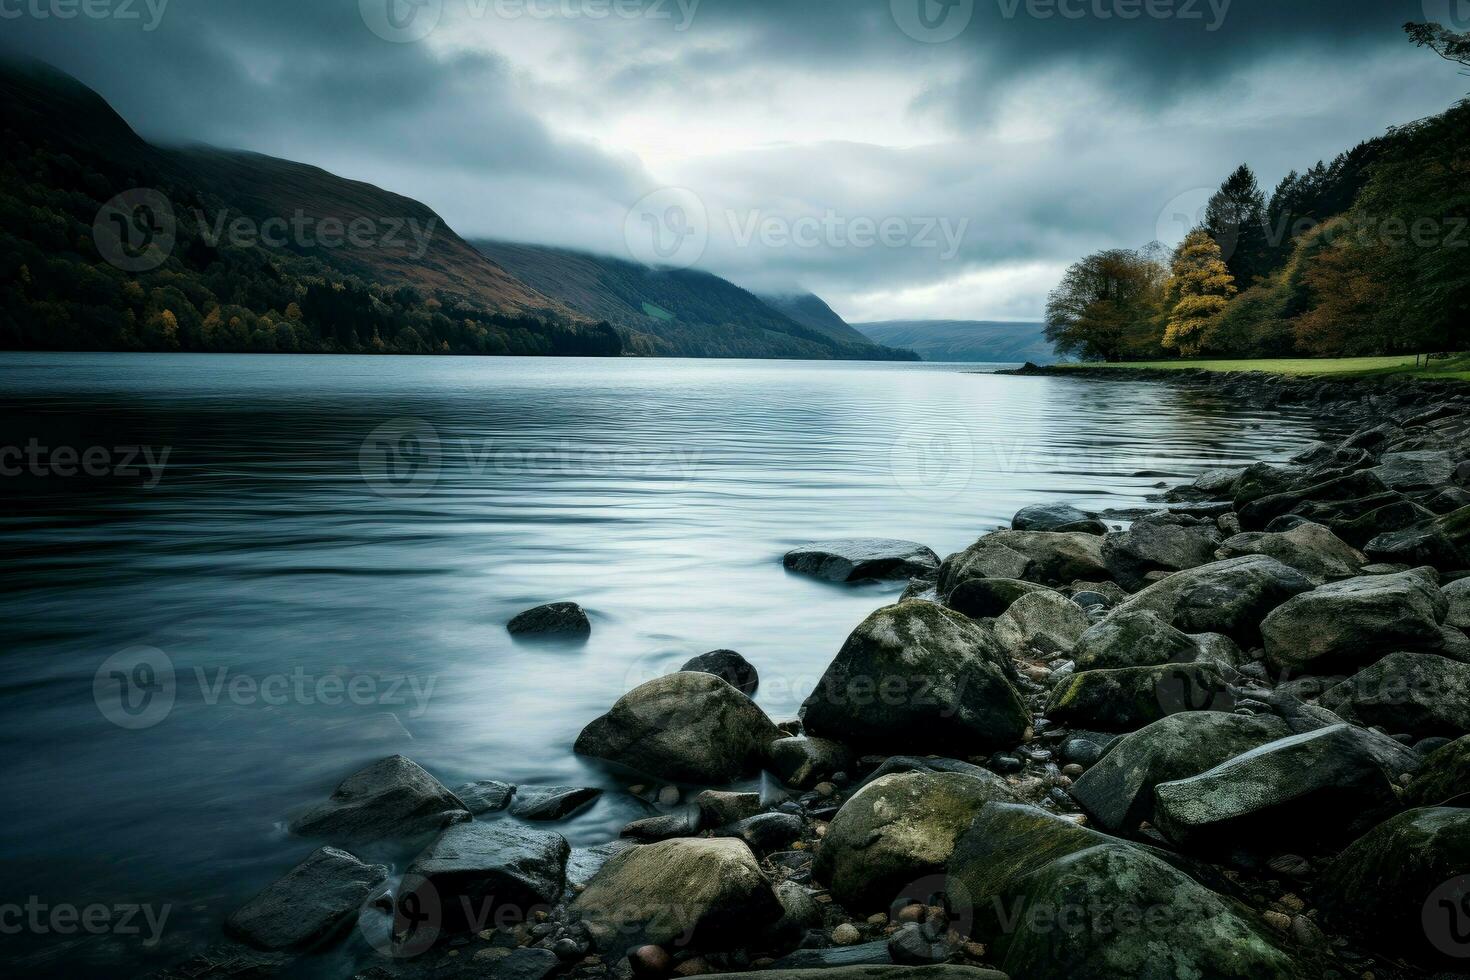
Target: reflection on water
[311,561]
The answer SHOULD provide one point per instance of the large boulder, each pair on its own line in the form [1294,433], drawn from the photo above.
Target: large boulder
[392,798]
[688,727]
[1310,548]
[477,873]
[1412,471]
[918,677]
[1230,597]
[1457,593]
[1129,698]
[709,893]
[862,559]
[1151,546]
[987,598]
[1045,623]
[1254,516]
[1133,638]
[1405,886]
[1420,694]
[1311,792]
[1057,517]
[1046,557]
[1118,791]
[1444,778]
[309,904]
[1056,901]
[897,830]
[1346,624]
[729,665]
[1423,544]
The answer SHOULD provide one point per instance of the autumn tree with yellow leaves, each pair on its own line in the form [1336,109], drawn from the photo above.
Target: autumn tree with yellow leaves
[1200,287]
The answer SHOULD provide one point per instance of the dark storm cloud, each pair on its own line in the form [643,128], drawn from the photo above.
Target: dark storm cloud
[1135,103]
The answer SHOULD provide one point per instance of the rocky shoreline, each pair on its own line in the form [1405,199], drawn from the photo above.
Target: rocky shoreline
[1231,740]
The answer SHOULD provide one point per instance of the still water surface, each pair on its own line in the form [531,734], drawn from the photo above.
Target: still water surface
[327,554]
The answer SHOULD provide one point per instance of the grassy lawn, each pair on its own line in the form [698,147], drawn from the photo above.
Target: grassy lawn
[1458,367]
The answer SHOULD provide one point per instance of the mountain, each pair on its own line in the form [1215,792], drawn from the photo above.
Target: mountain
[812,312]
[681,312]
[985,341]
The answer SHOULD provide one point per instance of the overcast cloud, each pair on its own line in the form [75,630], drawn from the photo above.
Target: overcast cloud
[902,158]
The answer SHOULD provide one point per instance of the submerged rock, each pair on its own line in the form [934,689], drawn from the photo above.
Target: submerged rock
[860,559]
[1405,885]
[553,619]
[309,904]
[1229,597]
[1057,517]
[392,798]
[687,727]
[486,796]
[728,665]
[914,677]
[1311,792]
[552,802]
[1347,624]
[706,892]
[897,830]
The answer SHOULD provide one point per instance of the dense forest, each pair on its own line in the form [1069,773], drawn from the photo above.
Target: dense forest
[1366,255]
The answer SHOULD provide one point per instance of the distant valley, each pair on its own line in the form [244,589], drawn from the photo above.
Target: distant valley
[982,341]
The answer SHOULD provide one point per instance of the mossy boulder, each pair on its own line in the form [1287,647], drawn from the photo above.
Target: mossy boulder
[1230,597]
[1118,791]
[1155,546]
[1310,548]
[1421,694]
[1046,557]
[1042,623]
[1127,699]
[689,727]
[897,830]
[1132,638]
[1405,886]
[1444,778]
[917,677]
[1349,624]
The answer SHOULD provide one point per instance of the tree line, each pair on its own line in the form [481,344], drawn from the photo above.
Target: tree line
[1366,255]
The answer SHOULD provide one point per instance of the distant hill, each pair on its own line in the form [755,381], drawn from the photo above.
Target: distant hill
[682,312]
[965,340]
[812,311]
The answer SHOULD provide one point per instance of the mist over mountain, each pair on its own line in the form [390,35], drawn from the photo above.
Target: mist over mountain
[965,340]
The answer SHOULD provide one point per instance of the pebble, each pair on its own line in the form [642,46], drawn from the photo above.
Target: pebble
[1290,864]
[846,935]
[826,790]
[1005,764]
[650,961]
[912,913]
[1279,921]
[670,796]
[877,919]
[974,950]
[1304,931]
[1073,770]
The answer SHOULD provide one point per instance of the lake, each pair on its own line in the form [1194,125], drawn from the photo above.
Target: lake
[316,557]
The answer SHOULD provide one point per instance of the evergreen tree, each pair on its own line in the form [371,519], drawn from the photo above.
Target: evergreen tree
[1236,219]
[1199,289]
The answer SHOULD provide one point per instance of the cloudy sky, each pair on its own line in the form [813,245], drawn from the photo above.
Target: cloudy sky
[902,158]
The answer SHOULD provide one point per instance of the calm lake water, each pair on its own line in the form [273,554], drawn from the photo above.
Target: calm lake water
[319,555]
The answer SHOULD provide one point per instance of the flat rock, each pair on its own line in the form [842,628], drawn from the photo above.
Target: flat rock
[1229,597]
[897,830]
[1420,694]
[728,665]
[862,559]
[392,798]
[551,802]
[685,727]
[1347,624]
[1044,557]
[865,961]
[711,892]
[474,872]
[309,904]
[554,619]
[1302,794]
[915,677]
[1411,471]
